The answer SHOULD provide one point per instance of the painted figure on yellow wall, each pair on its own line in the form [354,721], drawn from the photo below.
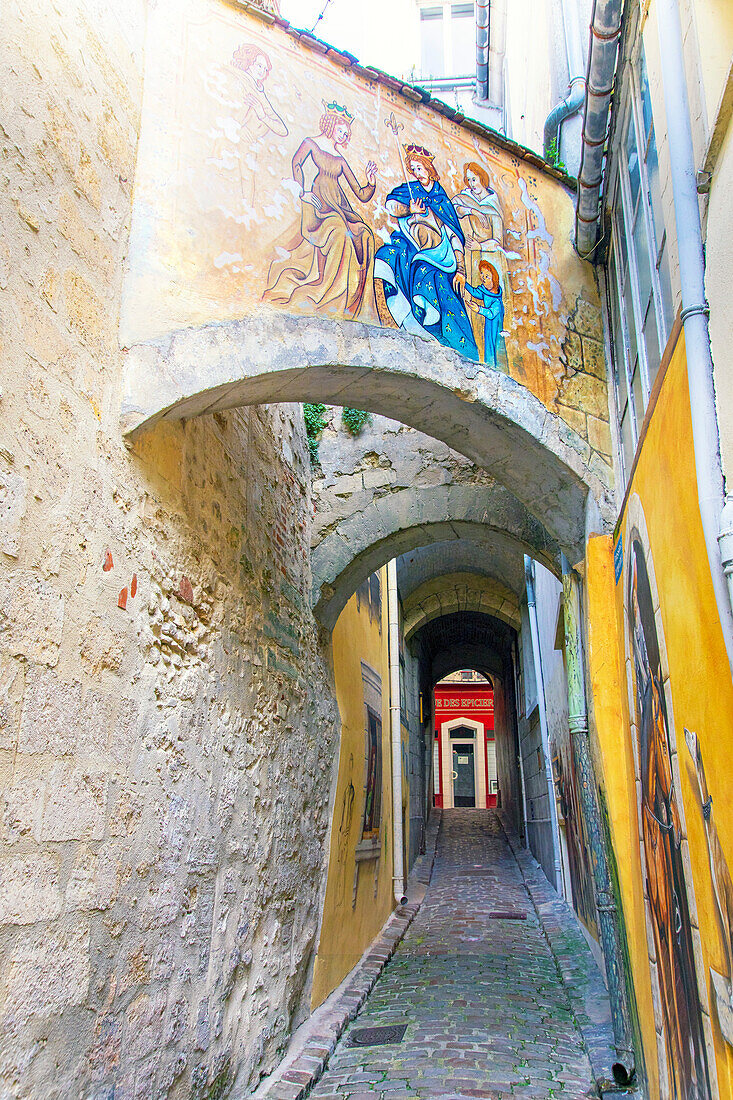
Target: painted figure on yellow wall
[253,66]
[420,274]
[686,1056]
[237,149]
[326,264]
[722,884]
[487,301]
[482,220]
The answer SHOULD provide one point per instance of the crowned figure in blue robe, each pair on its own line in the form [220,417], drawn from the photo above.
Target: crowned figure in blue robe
[420,275]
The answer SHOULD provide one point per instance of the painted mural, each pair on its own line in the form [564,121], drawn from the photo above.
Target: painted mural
[674,977]
[572,822]
[269,177]
[722,884]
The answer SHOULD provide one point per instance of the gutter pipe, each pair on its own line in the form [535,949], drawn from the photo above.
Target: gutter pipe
[483,24]
[529,577]
[605,32]
[624,1068]
[573,101]
[398,867]
[716,510]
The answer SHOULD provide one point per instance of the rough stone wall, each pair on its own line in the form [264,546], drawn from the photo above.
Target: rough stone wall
[582,396]
[385,457]
[167,726]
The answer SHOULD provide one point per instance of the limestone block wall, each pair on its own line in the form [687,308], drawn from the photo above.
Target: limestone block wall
[385,457]
[167,724]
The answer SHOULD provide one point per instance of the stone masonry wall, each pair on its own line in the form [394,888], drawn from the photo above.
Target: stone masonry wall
[167,723]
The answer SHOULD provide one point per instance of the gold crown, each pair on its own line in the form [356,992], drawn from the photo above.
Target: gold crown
[336,109]
[418,150]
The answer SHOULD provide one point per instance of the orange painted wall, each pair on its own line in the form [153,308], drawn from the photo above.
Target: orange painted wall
[614,760]
[701,692]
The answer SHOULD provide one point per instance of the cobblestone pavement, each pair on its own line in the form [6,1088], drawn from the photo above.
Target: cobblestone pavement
[486,1012]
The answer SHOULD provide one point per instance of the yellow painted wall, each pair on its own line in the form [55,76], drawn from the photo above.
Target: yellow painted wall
[347,929]
[701,691]
[610,716]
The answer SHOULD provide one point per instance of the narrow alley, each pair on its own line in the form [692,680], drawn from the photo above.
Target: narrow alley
[366,550]
[477,985]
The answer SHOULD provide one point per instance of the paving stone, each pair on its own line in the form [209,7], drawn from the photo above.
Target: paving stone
[487,1012]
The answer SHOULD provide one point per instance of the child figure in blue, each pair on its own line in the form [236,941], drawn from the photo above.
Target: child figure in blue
[491,308]
[420,275]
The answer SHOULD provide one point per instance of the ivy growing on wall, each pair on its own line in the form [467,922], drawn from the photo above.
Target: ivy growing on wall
[355,419]
[315,422]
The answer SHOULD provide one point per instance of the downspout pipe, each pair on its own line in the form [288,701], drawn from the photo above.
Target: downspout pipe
[483,24]
[716,511]
[529,577]
[395,723]
[605,32]
[624,1068]
[573,101]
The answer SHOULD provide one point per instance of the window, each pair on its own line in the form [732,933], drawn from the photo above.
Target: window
[373,787]
[640,305]
[431,42]
[464,733]
[369,842]
[463,28]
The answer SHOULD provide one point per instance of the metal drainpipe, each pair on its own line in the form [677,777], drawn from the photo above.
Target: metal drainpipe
[393,620]
[716,512]
[605,31]
[573,101]
[529,577]
[608,920]
[483,24]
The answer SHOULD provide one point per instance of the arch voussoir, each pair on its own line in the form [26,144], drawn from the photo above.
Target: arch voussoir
[479,412]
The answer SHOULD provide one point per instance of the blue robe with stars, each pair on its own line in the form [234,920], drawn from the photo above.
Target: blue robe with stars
[418,283]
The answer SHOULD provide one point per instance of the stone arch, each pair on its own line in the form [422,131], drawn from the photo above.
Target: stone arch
[391,525]
[459,592]
[481,413]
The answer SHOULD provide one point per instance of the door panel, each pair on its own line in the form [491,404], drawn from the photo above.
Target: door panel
[464,778]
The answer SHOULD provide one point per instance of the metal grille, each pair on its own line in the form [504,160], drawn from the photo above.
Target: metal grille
[514,914]
[378,1036]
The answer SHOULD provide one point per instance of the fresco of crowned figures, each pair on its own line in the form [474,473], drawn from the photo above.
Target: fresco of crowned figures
[269,177]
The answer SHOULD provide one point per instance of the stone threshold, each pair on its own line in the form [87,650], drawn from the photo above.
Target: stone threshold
[576,964]
[313,1043]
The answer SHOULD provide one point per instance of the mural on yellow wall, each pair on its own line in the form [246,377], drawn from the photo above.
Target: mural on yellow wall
[661,825]
[722,889]
[270,178]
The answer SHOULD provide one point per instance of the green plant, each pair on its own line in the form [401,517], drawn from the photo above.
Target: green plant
[355,419]
[552,154]
[315,422]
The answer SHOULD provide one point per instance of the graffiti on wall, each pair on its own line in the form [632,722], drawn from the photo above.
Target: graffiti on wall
[674,975]
[270,178]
